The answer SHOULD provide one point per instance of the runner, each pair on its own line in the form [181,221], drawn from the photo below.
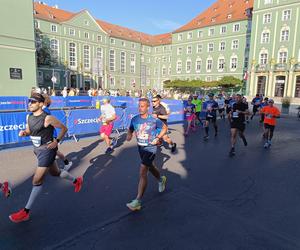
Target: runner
[256,105]
[108,115]
[5,189]
[40,127]
[237,120]
[263,104]
[198,108]
[210,107]
[221,106]
[146,129]
[47,103]
[246,115]
[228,104]
[162,113]
[189,111]
[271,114]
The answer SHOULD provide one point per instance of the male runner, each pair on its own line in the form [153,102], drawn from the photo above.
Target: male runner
[5,189]
[271,114]
[146,128]
[237,122]
[108,115]
[210,108]
[256,105]
[221,106]
[40,127]
[162,113]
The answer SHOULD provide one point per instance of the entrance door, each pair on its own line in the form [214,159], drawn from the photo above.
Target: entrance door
[297,89]
[279,86]
[261,85]
[73,81]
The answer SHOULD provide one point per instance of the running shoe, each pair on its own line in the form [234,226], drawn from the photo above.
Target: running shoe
[134,205]
[205,138]
[232,152]
[173,148]
[108,150]
[269,144]
[68,166]
[6,189]
[114,142]
[244,141]
[266,145]
[162,184]
[20,216]
[78,184]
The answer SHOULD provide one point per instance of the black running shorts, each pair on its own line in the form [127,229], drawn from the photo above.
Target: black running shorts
[238,125]
[45,156]
[268,126]
[147,157]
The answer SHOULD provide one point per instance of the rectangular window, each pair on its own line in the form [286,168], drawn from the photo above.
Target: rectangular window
[222,46]
[179,37]
[223,29]
[282,57]
[211,32]
[86,35]
[72,55]
[71,32]
[179,51]
[236,27]
[133,45]
[265,37]
[112,60]
[199,48]
[190,35]
[99,53]
[54,49]
[233,64]
[268,1]
[164,71]
[132,63]
[112,41]
[123,44]
[221,64]
[286,15]
[123,83]
[200,34]
[99,38]
[267,18]
[263,58]
[198,65]
[235,44]
[123,62]
[179,67]
[53,28]
[209,64]
[86,56]
[210,47]
[189,50]
[285,35]
[112,81]
[188,66]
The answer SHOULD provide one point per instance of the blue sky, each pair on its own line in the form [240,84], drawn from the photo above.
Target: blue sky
[152,17]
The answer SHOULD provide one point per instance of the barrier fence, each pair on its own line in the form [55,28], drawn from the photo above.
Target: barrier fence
[80,114]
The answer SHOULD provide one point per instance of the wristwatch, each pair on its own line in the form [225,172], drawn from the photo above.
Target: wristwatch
[58,140]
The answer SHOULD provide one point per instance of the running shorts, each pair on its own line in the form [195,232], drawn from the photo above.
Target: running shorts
[238,125]
[106,129]
[147,156]
[45,156]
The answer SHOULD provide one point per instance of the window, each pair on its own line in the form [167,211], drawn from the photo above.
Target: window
[99,38]
[179,37]
[190,35]
[112,60]
[265,37]
[123,62]
[132,63]
[210,47]
[169,71]
[133,45]
[263,58]
[123,83]
[72,55]
[233,63]
[208,78]
[112,81]
[86,56]
[229,16]
[123,44]
[179,51]
[235,44]
[54,49]
[179,67]
[267,18]
[164,59]
[223,29]
[222,46]
[86,35]
[36,24]
[297,88]
[164,71]
[198,65]
[86,22]
[189,50]
[221,64]
[188,66]
[286,15]
[53,28]
[268,1]
[279,86]
[200,34]
[209,64]
[211,32]
[285,34]
[156,49]
[199,48]
[71,32]
[236,27]
[112,41]
[282,57]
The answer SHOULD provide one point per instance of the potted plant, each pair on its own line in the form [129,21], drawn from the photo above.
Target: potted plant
[285,105]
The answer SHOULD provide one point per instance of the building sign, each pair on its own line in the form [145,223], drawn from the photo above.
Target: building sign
[15,73]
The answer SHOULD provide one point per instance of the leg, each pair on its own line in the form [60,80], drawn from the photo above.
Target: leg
[206,127]
[142,182]
[241,134]
[233,137]
[188,127]
[154,171]
[214,121]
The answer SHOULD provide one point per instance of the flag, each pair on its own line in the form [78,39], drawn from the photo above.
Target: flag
[246,75]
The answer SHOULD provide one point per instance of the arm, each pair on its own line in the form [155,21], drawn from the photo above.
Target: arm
[25,132]
[51,120]
[130,132]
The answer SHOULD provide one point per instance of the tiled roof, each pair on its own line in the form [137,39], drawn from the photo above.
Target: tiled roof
[222,11]
[53,14]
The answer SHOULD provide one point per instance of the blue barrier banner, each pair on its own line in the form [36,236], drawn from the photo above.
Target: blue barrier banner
[83,121]
[58,102]
[13,102]
[60,115]
[10,126]
[78,101]
[120,122]
[176,108]
[120,101]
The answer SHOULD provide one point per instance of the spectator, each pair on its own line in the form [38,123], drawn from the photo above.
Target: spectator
[65,92]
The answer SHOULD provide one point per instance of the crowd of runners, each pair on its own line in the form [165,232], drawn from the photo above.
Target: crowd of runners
[150,128]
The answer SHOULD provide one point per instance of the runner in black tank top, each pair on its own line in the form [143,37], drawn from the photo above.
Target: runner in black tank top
[40,127]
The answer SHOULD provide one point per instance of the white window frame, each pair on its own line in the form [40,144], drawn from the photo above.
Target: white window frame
[263,60]
[188,66]
[221,29]
[198,63]
[199,48]
[189,50]
[267,18]
[123,82]
[54,49]
[285,16]
[263,38]
[179,67]
[123,62]
[99,38]
[72,55]
[222,48]
[285,37]
[132,63]
[235,46]
[211,32]
[209,64]
[233,65]
[112,81]
[86,56]
[180,37]
[234,27]
[86,35]
[221,64]
[280,58]
[53,28]
[200,33]
[190,35]
[112,60]
[72,32]
[210,48]
[179,51]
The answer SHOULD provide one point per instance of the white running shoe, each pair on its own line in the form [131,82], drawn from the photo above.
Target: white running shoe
[67,167]
[162,184]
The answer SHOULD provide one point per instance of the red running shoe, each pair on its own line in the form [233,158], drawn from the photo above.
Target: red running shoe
[78,184]
[6,189]
[20,216]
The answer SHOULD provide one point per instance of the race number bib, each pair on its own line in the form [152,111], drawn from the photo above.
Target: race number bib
[36,140]
[235,114]
[142,139]
[268,116]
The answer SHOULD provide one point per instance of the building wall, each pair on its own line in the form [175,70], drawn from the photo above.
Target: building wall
[17,47]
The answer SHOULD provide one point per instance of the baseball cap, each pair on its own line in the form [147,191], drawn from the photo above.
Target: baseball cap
[271,100]
[36,97]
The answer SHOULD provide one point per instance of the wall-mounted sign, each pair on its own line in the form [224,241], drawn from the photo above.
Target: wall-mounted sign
[15,73]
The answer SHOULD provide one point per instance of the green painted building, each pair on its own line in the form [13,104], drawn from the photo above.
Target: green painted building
[275,50]
[17,48]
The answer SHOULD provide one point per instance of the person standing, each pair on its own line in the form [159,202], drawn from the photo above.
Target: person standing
[65,92]
[162,112]
[148,131]
[40,128]
[271,113]
[108,115]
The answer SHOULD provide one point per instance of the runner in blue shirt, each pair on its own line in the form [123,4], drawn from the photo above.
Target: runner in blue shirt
[256,102]
[210,107]
[148,131]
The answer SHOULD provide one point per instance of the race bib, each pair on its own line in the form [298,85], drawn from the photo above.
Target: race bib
[269,116]
[36,140]
[142,139]
[235,114]
[209,115]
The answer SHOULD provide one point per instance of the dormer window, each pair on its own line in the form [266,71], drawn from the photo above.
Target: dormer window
[229,16]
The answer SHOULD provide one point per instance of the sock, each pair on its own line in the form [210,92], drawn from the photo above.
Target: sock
[66,175]
[66,161]
[36,190]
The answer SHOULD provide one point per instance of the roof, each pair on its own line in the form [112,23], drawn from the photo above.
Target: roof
[49,13]
[218,13]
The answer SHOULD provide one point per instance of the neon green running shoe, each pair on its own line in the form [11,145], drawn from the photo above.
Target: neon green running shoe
[134,205]
[162,184]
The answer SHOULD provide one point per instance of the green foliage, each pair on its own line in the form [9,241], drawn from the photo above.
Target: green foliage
[286,102]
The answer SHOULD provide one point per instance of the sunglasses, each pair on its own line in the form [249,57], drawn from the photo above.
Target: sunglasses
[154,100]
[32,102]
